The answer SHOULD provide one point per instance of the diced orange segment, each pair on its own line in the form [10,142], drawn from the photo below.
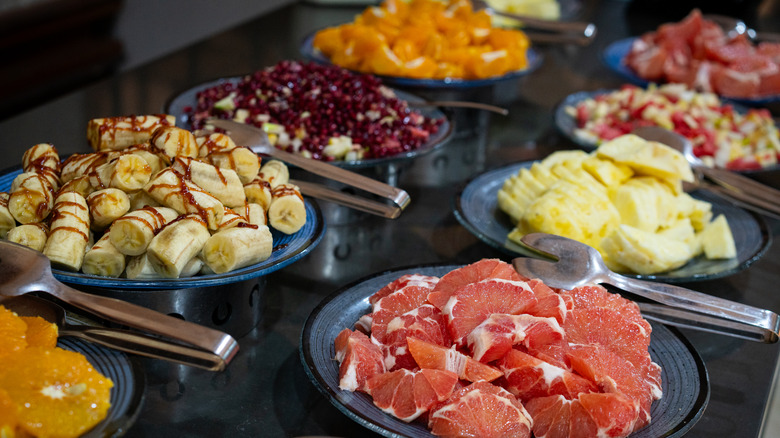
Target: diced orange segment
[12,332]
[40,333]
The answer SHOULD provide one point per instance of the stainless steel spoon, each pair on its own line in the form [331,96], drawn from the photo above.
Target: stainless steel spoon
[23,270]
[118,339]
[579,264]
[732,186]
[734,26]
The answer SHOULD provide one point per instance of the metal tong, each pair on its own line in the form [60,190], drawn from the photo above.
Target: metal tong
[551,31]
[732,186]
[257,140]
[579,264]
[24,270]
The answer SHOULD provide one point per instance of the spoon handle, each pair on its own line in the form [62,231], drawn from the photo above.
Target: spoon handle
[699,310]
[142,318]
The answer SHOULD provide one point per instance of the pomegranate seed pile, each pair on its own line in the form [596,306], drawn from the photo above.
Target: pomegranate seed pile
[317,103]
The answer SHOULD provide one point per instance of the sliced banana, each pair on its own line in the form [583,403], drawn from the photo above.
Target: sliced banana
[174,142]
[241,159]
[275,172]
[176,244]
[237,247]
[223,184]
[7,220]
[104,259]
[69,235]
[106,206]
[170,188]
[112,133]
[126,172]
[31,198]
[30,235]
[287,212]
[132,233]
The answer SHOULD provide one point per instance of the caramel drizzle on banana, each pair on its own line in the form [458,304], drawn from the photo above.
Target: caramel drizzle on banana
[61,213]
[185,191]
[156,222]
[112,125]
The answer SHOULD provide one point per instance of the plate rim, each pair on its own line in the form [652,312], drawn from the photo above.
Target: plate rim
[462,217]
[535,60]
[442,137]
[315,374]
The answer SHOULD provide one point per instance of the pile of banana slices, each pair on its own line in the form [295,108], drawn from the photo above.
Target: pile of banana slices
[151,201]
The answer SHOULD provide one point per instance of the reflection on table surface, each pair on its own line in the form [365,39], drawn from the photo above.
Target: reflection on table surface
[265,391]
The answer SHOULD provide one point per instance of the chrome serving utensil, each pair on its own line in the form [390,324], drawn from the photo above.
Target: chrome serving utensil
[23,270]
[734,26]
[732,186]
[552,31]
[257,140]
[579,264]
[118,339]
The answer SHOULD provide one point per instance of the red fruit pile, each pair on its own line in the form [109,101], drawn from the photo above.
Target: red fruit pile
[484,352]
[697,52]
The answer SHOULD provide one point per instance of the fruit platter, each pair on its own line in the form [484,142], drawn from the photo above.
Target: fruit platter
[377,303]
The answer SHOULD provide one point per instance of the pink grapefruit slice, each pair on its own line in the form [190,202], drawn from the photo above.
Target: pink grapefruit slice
[404,280]
[549,302]
[528,377]
[397,303]
[481,410]
[478,271]
[598,296]
[495,336]
[432,356]
[408,394]
[425,322]
[359,359]
[589,415]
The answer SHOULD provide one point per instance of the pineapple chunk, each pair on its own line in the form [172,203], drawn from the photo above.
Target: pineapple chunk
[717,240]
[683,231]
[647,157]
[543,174]
[644,252]
[643,203]
[574,156]
[607,171]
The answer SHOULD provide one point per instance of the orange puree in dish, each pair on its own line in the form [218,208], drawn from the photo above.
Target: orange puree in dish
[424,39]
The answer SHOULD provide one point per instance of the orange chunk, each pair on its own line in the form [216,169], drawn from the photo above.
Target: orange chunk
[40,333]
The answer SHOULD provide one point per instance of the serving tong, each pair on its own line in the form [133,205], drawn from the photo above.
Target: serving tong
[24,270]
[732,186]
[560,32]
[257,140]
[577,264]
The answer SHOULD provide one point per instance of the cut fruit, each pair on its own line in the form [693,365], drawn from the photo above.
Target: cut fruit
[436,357]
[359,360]
[408,394]
[425,322]
[40,333]
[587,416]
[12,332]
[404,280]
[475,272]
[496,335]
[397,303]
[528,377]
[481,409]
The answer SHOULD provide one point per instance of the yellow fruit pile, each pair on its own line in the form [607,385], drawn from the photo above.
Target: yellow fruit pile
[625,199]
[424,39]
[45,390]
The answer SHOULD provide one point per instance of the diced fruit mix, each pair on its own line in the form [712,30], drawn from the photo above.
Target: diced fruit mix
[424,39]
[721,135]
[319,111]
[517,358]
[625,199]
[697,52]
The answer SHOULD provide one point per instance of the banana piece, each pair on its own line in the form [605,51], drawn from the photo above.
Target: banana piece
[126,172]
[79,184]
[31,198]
[139,268]
[223,184]
[7,220]
[113,133]
[258,191]
[69,235]
[106,206]
[275,172]
[287,212]
[154,159]
[176,244]
[237,247]
[141,199]
[215,142]
[241,159]
[174,142]
[30,235]
[132,233]
[230,219]
[81,165]
[255,214]
[169,188]
[104,259]
[44,159]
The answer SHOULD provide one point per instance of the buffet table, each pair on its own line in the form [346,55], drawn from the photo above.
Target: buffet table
[265,391]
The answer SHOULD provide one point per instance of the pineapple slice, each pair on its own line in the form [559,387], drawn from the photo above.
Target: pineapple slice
[717,241]
[573,156]
[683,231]
[643,203]
[647,157]
[644,252]
[607,171]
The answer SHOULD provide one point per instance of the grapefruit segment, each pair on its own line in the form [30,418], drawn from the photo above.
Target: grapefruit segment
[495,336]
[425,322]
[400,282]
[549,302]
[481,409]
[436,357]
[397,303]
[528,377]
[475,302]
[589,415]
[475,272]
[408,394]
[359,360]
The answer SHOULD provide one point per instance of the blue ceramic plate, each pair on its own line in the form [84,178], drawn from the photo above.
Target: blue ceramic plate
[534,61]
[287,249]
[616,52]
[685,382]
[127,395]
[476,207]
[180,105]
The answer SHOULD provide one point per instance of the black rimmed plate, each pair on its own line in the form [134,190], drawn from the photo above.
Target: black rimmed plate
[567,125]
[685,382]
[534,61]
[614,56]
[184,102]
[286,250]
[476,208]
[127,394]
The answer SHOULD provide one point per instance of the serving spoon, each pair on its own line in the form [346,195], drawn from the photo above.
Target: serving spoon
[118,339]
[578,264]
[24,270]
[734,26]
[732,186]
